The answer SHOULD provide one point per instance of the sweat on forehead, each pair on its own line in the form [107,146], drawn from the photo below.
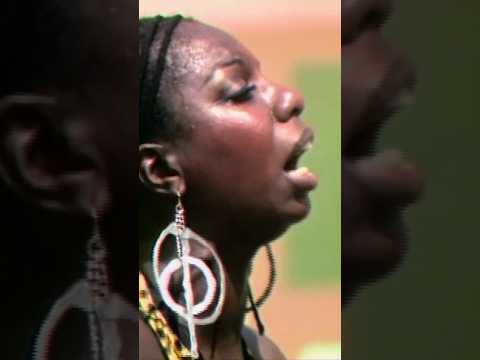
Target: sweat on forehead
[197,47]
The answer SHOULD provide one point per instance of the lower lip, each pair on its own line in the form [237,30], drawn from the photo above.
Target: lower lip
[390,176]
[302,178]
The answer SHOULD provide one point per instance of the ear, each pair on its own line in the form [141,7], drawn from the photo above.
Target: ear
[47,156]
[160,170]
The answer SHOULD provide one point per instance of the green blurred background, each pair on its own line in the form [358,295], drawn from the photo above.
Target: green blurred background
[430,308]
[314,246]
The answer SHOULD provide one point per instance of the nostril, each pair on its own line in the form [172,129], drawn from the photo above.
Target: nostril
[297,111]
[374,19]
[287,105]
[378,15]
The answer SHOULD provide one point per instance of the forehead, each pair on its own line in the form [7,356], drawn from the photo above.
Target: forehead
[197,48]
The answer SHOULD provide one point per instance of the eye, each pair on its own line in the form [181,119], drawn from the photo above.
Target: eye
[242,95]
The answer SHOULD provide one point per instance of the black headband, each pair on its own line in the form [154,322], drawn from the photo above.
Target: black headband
[149,86]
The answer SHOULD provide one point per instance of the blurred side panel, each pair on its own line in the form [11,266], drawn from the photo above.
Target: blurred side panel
[69,135]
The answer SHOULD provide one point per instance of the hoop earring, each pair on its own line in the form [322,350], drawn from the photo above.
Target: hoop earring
[91,295]
[190,312]
[271,281]
[255,304]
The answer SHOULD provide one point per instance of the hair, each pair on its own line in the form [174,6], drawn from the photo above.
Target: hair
[157,120]
[54,44]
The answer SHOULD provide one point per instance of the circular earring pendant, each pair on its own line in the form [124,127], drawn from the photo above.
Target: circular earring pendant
[163,278]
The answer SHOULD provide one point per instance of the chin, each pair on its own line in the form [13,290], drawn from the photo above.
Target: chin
[371,254]
[302,211]
[297,209]
[279,222]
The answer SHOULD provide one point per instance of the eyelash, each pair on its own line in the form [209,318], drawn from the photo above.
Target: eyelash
[243,95]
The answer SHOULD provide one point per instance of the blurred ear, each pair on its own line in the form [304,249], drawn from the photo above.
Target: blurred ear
[160,170]
[46,155]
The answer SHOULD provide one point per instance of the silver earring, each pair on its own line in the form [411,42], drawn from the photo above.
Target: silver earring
[189,313]
[92,295]
[97,280]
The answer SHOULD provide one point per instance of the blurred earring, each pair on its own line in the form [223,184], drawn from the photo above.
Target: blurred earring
[183,261]
[87,294]
[98,284]
[255,304]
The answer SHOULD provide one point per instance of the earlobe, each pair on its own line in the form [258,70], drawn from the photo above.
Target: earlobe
[44,160]
[160,170]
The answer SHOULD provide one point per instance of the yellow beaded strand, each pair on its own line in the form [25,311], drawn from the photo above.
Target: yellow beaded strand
[167,338]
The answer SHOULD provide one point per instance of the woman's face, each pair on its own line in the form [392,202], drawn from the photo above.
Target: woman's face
[244,133]
[377,80]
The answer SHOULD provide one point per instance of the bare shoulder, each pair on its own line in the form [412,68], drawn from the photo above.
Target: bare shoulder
[148,346]
[261,347]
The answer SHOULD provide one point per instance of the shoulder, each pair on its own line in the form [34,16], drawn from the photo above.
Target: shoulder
[261,347]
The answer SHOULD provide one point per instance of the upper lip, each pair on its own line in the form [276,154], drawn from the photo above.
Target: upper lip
[303,144]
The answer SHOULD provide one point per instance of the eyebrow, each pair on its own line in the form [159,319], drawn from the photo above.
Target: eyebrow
[224,64]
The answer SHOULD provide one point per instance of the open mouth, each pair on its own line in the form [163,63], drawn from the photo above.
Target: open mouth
[363,143]
[294,159]
[387,174]
[303,144]
[302,177]
[395,94]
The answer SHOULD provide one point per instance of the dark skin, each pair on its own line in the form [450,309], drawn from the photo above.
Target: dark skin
[377,81]
[79,165]
[231,166]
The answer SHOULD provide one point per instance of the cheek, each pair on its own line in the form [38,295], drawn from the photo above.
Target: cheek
[235,150]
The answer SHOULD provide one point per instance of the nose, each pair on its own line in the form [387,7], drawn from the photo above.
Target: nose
[288,104]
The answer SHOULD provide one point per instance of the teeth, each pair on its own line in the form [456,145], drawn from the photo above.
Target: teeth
[293,162]
[300,171]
